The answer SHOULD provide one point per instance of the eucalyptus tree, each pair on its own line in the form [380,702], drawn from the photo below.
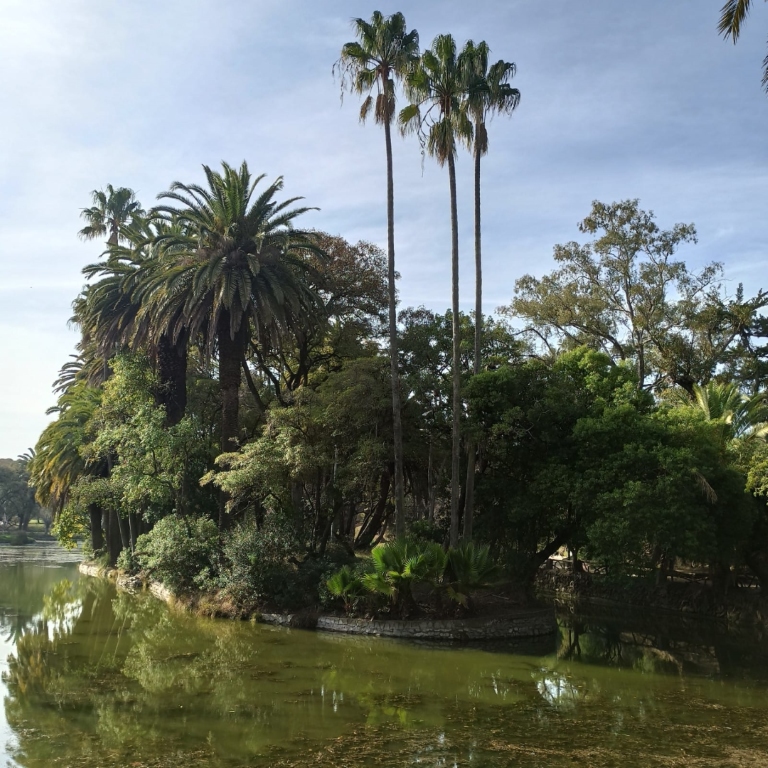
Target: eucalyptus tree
[437,88]
[489,93]
[111,210]
[232,267]
[383,53]
[732,16]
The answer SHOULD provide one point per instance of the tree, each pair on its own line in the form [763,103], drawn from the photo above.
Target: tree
[437,88]
[111,211]
[625,294]
[384,52]
[490,94]
[732,16]
[232,267]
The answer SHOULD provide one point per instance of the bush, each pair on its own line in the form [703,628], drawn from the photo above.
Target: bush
[398,565]
[347,585]
[180,552]
[256,562]
[128,562]
[469,567]
[427,530]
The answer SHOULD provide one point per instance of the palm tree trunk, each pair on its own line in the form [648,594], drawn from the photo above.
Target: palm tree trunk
[456,443]
[469,503]
[172,372]
[397,424]
[230,355]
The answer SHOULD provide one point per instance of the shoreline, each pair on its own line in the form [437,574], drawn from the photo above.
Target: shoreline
[530,622]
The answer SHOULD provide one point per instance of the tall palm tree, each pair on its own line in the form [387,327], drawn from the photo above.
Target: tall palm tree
[489,93]
[384,52]
[111,210]
[118,311]
[437,88]
[233,266]
[732,16]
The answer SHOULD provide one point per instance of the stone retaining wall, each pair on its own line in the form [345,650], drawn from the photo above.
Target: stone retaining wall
[528,624]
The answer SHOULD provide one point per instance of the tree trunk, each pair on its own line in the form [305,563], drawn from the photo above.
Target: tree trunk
[114,538]
[469,503]
[397,424]
[231,350]
[97,536]
[172,372]
[456,442]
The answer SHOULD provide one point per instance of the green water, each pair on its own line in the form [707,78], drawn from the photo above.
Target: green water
[93,678]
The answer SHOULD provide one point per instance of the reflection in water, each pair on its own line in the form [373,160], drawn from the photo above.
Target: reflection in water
[95,678]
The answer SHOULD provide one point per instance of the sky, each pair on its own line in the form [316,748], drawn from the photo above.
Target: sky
[618,100]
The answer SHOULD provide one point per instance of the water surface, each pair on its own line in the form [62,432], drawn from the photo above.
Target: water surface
[93,678]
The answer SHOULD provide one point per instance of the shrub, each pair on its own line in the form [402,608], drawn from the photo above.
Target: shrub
[128,562]
[469,567]
[427,530]
[20,538]
[347,585]
[257,562]
[180,552]
[400,564]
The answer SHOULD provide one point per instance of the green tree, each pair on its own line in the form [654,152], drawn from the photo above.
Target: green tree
[235,269]
[383,53]
[625,294]
[732,16]
[437,88]
[489,94]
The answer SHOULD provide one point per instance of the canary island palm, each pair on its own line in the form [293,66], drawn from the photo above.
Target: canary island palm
[383,53]
[732,15]
[739,414]
[233,266]
[488,93]
[438,88]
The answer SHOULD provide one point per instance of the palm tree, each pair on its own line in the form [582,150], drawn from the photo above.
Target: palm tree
[437,88]
[118,311]
[489,93]
[111,210]
[384,52]
[232,267]
[740,415]
[732,16]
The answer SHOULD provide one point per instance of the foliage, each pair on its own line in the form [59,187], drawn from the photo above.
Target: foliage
[181,552]
[399,565]
[469,567]
[256,560]
[625,294]
[348,585]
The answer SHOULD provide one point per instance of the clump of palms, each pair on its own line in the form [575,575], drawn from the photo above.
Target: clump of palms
[469,567]
[399,565]
[347,585]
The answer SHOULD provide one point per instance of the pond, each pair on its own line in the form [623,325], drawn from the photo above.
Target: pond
[91,677]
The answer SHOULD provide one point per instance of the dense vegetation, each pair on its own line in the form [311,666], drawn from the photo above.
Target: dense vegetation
[248,410]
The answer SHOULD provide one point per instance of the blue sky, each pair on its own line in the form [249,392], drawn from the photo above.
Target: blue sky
[619,100]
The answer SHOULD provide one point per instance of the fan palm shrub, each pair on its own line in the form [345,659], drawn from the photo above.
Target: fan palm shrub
[399,565]
[469,567]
